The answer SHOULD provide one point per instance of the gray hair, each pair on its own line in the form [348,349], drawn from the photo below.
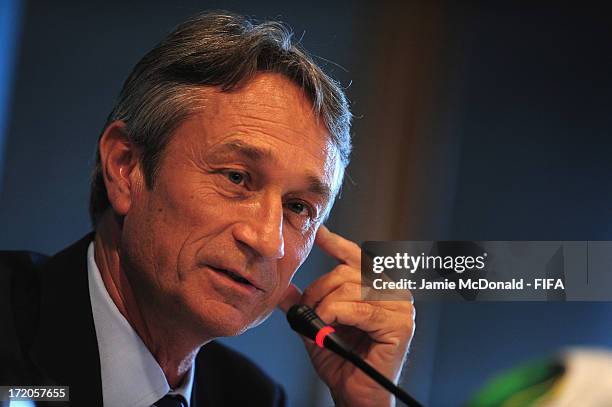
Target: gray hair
[218,49]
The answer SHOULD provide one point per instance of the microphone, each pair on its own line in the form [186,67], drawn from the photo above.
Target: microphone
[306,322]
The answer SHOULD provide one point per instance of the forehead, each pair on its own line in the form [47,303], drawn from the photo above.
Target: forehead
[269,102]
[269,113]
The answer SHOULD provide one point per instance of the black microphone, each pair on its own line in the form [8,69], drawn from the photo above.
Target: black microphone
[305,321]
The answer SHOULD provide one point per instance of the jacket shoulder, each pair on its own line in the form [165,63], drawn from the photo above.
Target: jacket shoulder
[226,377]
[12,261]
[19,311]
[19,280]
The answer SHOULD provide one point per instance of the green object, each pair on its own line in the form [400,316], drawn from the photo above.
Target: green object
[521,386]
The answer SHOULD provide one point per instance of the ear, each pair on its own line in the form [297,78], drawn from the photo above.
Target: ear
[120,169]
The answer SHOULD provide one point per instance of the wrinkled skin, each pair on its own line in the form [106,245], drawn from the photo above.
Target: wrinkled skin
[242,188]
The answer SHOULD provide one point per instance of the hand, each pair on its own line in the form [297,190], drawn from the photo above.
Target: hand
[378,331]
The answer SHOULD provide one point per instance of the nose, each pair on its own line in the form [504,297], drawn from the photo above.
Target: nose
[262,227]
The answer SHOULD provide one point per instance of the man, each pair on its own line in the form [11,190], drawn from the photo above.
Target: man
[214,174]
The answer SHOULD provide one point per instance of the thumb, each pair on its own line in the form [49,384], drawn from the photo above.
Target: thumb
[292,296]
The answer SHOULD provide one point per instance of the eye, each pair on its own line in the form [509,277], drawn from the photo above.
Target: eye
[300,208]
[235,177]
[297,207]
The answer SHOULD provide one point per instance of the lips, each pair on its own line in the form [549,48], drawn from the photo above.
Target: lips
[235,275]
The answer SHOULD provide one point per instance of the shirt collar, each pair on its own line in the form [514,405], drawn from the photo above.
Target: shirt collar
[130,374]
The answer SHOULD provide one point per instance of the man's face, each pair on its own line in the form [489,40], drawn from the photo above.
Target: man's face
[240,193]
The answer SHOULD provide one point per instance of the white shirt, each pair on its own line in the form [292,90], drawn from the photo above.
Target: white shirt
[131,377]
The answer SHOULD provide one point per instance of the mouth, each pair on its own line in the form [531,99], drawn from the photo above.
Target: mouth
[235,277]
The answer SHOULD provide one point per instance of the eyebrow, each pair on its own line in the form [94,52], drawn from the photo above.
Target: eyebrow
[316,186]
[249,151]
[258,154]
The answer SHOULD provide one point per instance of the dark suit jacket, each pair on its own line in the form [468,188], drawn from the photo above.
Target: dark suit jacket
[47,337]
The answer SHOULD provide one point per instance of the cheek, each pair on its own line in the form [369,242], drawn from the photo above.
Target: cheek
[185,209]
[297,250]
[307,241]
[159,225]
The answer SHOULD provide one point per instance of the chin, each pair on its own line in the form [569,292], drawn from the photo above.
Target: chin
[220,319]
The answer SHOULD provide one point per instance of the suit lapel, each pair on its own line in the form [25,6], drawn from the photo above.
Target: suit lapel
[66,348]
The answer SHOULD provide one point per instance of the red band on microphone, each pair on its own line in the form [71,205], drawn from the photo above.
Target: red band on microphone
[323,332]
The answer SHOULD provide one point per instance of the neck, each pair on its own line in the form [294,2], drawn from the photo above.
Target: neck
[174,353]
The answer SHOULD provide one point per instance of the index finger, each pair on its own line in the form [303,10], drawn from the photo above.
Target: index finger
[344,250]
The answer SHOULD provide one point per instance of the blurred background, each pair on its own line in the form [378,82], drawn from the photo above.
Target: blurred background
[474,121]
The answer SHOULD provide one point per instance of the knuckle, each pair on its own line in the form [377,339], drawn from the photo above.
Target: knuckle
[378,314]
[342,269]
[406,308]
[362,309]
[346,290]
[407,327]
[396,341]
[346,272]
[408,324]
